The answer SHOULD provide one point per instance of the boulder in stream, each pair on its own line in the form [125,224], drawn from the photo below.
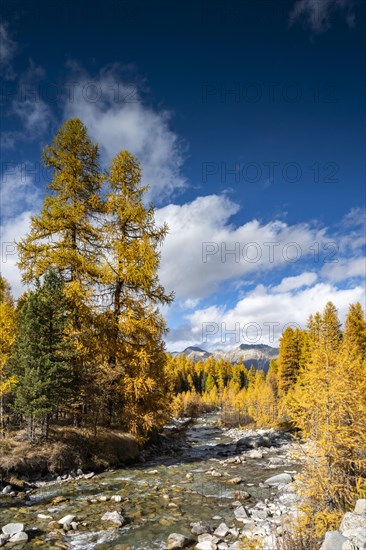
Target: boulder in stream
[280,479]
[114,517]
[11,529]
[19,538]
[222,530]
[3,539]
[66,520]
[206,545]
[177,540]
[198,528]
[235,480]
[240,513]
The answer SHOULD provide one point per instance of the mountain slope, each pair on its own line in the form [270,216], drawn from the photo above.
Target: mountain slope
[258,355]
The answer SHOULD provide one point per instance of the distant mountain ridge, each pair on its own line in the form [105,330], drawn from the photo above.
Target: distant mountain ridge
[258,355]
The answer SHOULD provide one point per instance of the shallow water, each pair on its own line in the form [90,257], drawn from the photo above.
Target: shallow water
[157,497]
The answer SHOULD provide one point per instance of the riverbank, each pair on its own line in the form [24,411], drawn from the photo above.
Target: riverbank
[67,450]
[213,476]
[69,453]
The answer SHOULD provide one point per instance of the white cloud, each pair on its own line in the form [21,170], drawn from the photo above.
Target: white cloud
[190,303]
[19,200]
[203,249]
[29,106]
[13,230]
[17,191]
[117,118]
[8,139]
[291,283]
[8,48]
[261,316]
[34,115]
[345,269]
[319,14]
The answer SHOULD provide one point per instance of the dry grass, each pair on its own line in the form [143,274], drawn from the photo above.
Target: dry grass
[67,449]
[297,541]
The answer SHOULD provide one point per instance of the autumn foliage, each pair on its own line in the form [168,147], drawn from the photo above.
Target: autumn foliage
[84,345]
[317,388]
[98,242]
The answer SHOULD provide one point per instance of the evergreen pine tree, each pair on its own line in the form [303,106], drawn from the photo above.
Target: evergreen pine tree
[42,353]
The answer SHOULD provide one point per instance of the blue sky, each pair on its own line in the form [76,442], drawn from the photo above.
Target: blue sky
[249,120]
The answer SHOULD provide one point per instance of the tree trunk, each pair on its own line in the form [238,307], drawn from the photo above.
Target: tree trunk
[45,426]
[30,427]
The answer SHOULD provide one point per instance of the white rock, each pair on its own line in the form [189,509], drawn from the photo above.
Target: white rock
[113,517]
[222,530]
[333,540]
[348,546]
[116,498]
[66,519]
[19,538]
[351,533]
[240,513]
[279,479]
[360,507]
[176,540]
[207,537]
[352,521]
[206,545]
[198,528]
[255,453]
[259,515]
[43,516]
[234,480]
[360,540]
[11,529]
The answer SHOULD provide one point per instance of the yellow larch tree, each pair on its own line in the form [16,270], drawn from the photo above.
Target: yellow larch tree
[328,404]
[65,237]
[134,327]
[7,338]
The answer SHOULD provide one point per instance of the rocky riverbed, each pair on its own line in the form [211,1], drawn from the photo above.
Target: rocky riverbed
[215,490]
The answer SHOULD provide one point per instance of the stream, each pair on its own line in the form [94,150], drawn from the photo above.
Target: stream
[198,483]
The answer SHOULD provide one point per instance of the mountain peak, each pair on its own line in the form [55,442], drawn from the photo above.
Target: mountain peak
[258,355]
[194,348]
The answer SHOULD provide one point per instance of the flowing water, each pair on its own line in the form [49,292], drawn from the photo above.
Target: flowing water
[162,496]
